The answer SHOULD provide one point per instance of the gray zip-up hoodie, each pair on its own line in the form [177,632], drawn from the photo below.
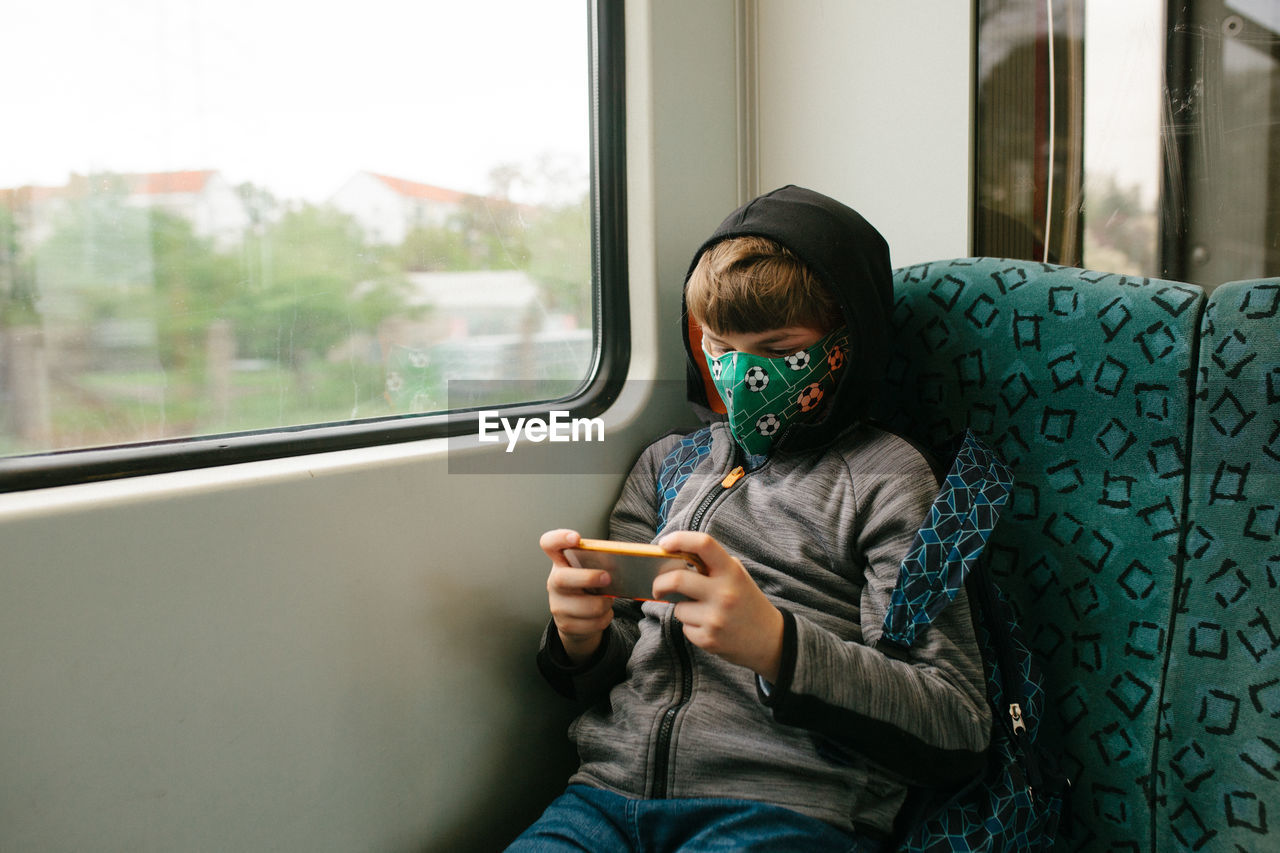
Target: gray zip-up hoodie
[821,526]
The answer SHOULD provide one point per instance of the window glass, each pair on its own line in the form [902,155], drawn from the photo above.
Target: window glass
[1222,211]
[1123,98]
[1134,137]
[254,214]
[1029,163]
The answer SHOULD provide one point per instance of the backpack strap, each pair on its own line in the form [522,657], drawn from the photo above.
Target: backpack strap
[950,541]
[676,467]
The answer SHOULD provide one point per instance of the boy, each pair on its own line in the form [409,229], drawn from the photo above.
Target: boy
[758,713]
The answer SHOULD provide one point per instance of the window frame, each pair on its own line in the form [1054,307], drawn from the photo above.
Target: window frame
[611,353]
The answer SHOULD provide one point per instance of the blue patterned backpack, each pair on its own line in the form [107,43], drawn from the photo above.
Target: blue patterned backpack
[1017,802]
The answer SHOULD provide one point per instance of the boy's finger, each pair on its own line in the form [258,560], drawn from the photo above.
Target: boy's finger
[582,628]
[713,555]
[553,543]
[690,613]
[583,608]
[691,585]
[568,579]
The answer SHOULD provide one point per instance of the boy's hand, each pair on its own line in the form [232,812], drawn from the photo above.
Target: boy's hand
[727,615]
[580,617]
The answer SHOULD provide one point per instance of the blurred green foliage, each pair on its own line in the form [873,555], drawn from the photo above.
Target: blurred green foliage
[152,330]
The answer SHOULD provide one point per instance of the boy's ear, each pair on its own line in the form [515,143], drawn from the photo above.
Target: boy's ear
[695,343]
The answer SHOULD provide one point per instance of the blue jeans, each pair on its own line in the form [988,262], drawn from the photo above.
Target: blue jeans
[596,821]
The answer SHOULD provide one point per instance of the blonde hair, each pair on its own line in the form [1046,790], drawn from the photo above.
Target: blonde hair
[752,284]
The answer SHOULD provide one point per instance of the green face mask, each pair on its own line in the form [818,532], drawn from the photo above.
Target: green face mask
[764,395]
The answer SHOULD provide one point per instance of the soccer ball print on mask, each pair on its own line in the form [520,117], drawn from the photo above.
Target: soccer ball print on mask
[765,395]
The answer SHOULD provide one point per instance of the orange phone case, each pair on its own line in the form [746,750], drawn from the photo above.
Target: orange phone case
[632,566]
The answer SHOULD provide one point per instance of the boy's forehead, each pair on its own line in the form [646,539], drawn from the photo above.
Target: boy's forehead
[764,334]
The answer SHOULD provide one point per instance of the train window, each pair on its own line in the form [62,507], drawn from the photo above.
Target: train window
[1133,137]
[262,227]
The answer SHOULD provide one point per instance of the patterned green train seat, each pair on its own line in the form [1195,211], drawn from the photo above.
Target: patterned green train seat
[1219,747]
[1081,381]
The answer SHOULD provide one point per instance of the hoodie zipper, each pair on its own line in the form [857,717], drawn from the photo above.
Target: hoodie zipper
[695,523]
[662,761]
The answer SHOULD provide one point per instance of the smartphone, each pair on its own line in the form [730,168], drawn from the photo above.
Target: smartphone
[631,566]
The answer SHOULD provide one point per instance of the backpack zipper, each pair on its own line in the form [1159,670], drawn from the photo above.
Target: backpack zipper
[662,761]
[1015,715]
[1011,676]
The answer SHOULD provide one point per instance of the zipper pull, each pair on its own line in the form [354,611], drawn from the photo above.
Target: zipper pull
[1019,732]
[1015,714]
[732,477]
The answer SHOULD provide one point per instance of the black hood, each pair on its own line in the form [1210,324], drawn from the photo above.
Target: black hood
[852,259]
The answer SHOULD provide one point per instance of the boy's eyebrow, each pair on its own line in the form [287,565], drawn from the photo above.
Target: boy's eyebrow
[781,335]
[772,336]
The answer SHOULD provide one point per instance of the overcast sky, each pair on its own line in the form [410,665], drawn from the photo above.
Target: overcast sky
[290,95]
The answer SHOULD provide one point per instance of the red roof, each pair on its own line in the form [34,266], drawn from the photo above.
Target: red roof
[139,184]
[164,183]
[23,196]
[417,190]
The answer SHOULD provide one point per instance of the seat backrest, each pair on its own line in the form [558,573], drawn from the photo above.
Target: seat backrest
[1219,751]
[1081,381]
